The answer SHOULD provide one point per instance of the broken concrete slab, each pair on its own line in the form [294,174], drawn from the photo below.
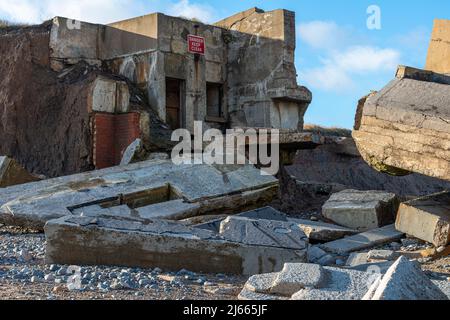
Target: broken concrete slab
[214,189]
[361,210]
[315,254]
[261,283]
[12,173]
[397,131]
[296,276]
[263,233]
[321,231]
[314,283]
[248,295]
[131,152]
[265,213]
[405,281]
[364,240]
[426,218]
[357,258]
[383,255]
[314,230]
[342,284]
[134,242]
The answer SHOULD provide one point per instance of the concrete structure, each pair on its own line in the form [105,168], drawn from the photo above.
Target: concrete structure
[363,241]
[361,210]
[438,59]
[139,190]
[426,218]
[404,281]
[136,242]
[246,78]
[299,281]
[108,85]
[314,230]
[405,127]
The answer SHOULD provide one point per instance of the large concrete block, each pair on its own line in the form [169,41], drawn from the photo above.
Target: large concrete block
[404,281]
[146,243]
[438,59]
[398,132]
[361,210]
[426,218]
[364,240]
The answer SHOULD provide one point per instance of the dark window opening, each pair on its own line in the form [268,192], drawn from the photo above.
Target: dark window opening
[214,97]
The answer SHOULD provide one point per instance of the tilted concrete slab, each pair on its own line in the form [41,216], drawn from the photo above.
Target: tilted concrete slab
[361,210]
[321,231]
[264,233]
[405,281]
[426,218]
[134,242]
[213,188]
[364,240]
[405,127]
[314,230]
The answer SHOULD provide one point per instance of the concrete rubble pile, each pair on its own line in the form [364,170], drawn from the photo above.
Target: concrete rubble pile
[404,280]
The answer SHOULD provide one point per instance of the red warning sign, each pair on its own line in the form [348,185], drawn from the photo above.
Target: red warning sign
[196,44]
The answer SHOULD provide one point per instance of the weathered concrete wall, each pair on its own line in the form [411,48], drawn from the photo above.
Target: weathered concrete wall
[172,60]
[438,59]
[251,54]
[71,42]
[262,78]
[405,127]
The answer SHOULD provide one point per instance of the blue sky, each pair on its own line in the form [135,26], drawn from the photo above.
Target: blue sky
[337,56]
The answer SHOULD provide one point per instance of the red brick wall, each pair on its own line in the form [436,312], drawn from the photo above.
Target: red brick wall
[113,133]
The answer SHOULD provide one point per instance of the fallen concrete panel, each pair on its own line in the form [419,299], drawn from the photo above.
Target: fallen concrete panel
[361,210]
[134,242]
[406,126]
[426,218]
[263,233]
[12,173]
[265,213]
[363,240]
[321,231]
[228,190]
[405,281]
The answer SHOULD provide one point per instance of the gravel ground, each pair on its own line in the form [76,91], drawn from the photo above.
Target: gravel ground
[24,275]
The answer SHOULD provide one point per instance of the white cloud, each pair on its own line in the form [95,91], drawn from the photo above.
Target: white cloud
[323,34]
[345,56]
[185,8]
[99,11]
[337,71]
